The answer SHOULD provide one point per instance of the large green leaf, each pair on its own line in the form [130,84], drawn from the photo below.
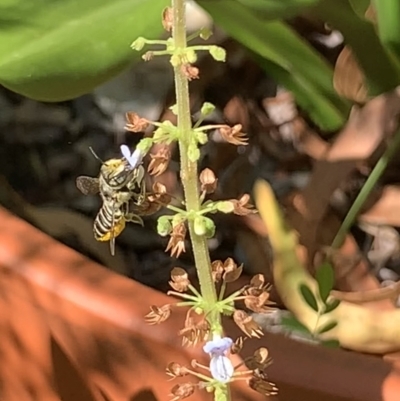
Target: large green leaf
[388,13]
[278,9]
[55,50]
[286,57]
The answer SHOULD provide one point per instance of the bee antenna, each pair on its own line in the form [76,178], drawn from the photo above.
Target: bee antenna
[95,155]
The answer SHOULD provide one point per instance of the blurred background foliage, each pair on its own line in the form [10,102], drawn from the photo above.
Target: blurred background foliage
[53,51]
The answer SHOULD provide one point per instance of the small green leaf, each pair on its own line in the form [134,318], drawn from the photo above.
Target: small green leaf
[325,278]
[332,305]
[331,343]
[327,327]
[290,322]
[309,297]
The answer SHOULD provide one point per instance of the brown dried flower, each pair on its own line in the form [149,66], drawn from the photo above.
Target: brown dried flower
[260,359]
[208,181]
[193,332]
[242,207]
[217,270]
[181,391]
[167,18]
[258,281]
[258,301]
[260,383]
[159,161]
[189,71]
[148,56]
[231,271]
[135,123]
[157,314]
[234,135]
[176,370]
[238,345]
[146,208]
[179,279]
[176,244]
[160,194]
[246,323]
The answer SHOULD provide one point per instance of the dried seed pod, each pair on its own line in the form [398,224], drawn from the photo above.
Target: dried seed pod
[179,279]
[159,161]
[208,181]
[234,135]
[176,370]
[157,314]
[176,244]
[135,122]
[246,323]
[181,391]
[167,18]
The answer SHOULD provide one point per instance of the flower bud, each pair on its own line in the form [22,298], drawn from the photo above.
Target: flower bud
[138,44]
[193,152]
[225,207]
[164,226]
[207,108]
[218,53]
[205,33]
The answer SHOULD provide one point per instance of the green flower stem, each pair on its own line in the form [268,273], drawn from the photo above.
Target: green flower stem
[392,147]
[189,174]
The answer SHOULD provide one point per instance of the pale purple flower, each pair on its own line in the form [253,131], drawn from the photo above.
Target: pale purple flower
[221,367]
[135,158]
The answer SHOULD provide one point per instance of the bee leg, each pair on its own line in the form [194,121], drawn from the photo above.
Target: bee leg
[134,218]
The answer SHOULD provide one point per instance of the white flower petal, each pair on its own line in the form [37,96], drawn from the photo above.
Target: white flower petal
[136,158]
[126,152]
[221,368]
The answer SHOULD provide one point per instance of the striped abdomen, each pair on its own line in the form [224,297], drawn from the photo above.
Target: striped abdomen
[104,221]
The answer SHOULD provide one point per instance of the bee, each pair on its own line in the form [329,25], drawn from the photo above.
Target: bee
[122,188]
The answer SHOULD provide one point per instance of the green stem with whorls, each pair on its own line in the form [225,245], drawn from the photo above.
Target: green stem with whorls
[392,147]
[189,173]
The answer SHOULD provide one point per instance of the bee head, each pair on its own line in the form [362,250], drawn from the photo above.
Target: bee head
[116,172]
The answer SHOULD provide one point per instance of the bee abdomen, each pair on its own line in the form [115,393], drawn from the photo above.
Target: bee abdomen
[103,223]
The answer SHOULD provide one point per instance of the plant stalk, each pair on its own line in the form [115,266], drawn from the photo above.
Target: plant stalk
[189,172]
[392,147]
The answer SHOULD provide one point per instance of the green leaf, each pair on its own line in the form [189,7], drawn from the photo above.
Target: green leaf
[327,327]
[286,57]
[325,278]
[291,323]
[57,50]
[388,15]
[360,6]
[309,297]
[331,306]
[331,343]
[282,9]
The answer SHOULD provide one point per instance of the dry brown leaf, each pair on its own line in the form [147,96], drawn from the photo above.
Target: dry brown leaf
[386,210]
[348,78]
[366,129]
[379,294]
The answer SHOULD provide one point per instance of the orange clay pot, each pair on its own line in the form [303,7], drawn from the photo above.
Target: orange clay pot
[72,330]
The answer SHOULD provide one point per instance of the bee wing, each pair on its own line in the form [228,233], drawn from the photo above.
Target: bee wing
[88,185]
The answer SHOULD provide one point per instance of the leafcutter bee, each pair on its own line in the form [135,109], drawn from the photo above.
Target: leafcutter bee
[121,186]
